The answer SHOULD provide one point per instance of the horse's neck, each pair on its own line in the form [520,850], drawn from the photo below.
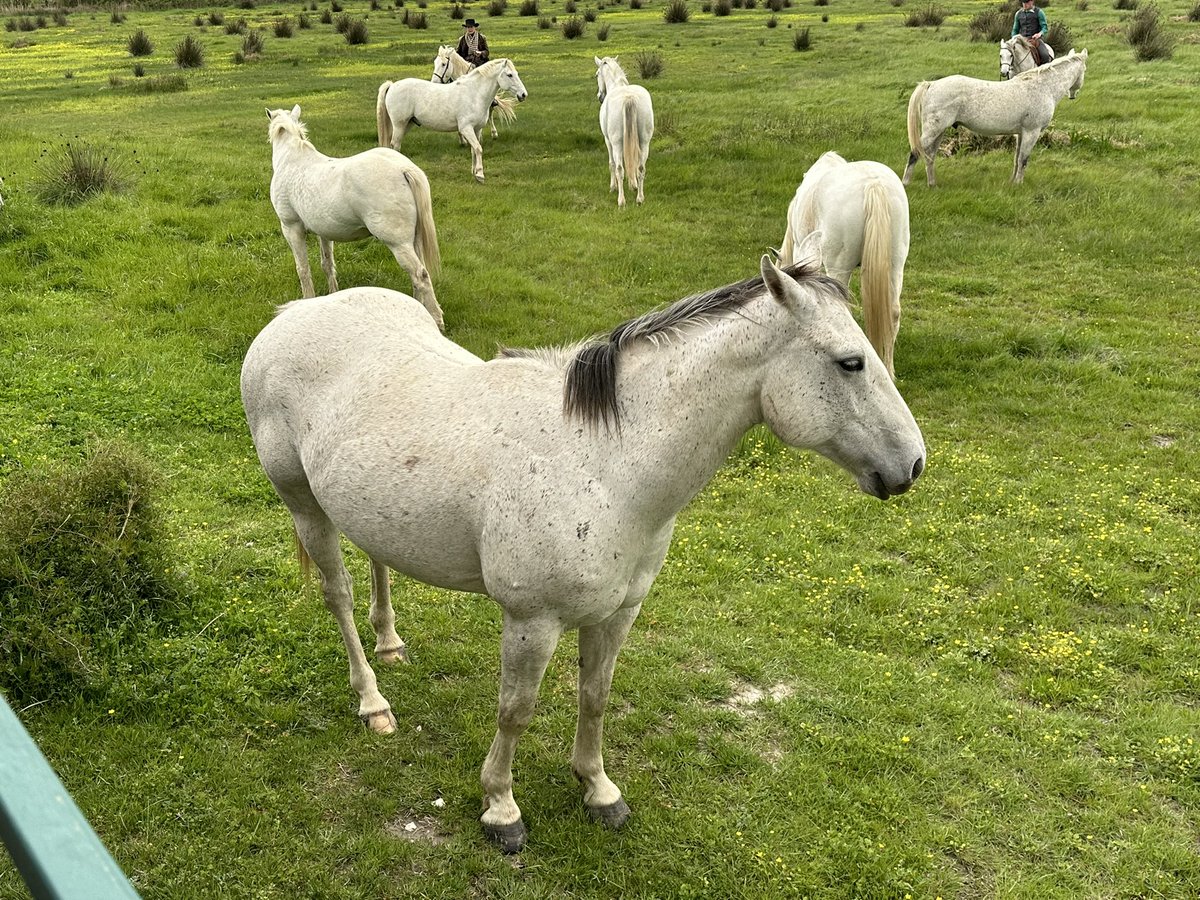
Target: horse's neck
[294,148]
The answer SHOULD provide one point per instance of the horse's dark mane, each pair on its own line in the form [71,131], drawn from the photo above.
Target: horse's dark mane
[590,388]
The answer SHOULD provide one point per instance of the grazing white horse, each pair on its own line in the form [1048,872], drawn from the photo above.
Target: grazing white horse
[627,121]
[448,66]
[1017,55]
[861,212]
[1022,106]
[543,479]
[379,193]
[461,106]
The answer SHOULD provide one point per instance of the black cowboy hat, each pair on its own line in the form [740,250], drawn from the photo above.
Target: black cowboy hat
[470,23]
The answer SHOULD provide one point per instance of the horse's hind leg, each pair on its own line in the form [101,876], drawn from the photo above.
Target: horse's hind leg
[525,650]
[389,648]
[319,538]
[1025,144]
[297,238]
[598,647]
[329,266]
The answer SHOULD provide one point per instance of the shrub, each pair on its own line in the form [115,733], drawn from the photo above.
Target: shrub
[189,53]
[1147,37]
[357,32]
[722,8]
[71,596]
[801,40]
[139,71]
[416,20]
[569,7]
[117,16]
[649,63]
[139,44]
[773,21]
[1081,5]
[602,33]
[635,4]
[198,21]
[245,4]
[1194,13]
[1059,37]
[774,6]
[572,27]
[930,14]
[76,173]
[284,28]
[1125,4]
[820,2]
[238,27]
[496,7]
[529,7]
[825,18]
[326,17]
[374,5]
[216,18]
[253,44]
[335,6]
[456,11]
[60,18]
[991,25]
[589,15]
[303,22]
[342,23]
[544,22]
[676,12]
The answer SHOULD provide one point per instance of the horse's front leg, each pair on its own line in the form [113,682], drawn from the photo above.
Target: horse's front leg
[328,265]
[468,134]
[389,648]
[598,648]
[297,238]
[525,649]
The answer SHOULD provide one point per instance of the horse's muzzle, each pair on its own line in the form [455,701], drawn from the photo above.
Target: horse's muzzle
[879,487]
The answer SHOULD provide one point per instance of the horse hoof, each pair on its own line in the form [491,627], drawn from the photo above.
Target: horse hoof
[380,722]
[509,838]
[392,657]
[479,178]
[614,815]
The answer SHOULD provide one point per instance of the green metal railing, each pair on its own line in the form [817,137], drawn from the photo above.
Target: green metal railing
[55,849]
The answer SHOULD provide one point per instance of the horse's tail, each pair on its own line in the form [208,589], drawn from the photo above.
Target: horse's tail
[633,147]
[506,107]
[787,248]
[914,117]
[302,557]
[383,120]
[427,242]
[877,280]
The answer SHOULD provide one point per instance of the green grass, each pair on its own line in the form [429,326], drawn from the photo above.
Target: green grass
[987,687]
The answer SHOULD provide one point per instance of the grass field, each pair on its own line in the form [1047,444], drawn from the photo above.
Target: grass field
[986,688]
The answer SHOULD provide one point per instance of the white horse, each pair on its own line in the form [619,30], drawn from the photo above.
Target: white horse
[548,480]
[1022,106]
[448,66]
[627,121]
[1017,55]
[461,106]
[378,193]
[861,212]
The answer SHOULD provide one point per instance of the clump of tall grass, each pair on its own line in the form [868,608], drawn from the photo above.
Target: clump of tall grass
[189,53]
[602,32]
[649,63]
[589,15]
[773,21]
[991,25]
[284,28]
[139,43]
[569,7]
[342,23]
[1059,37]
[415,20]
[117,16]
[60,18]
[216,18]
[1194,13]
[544,23]
[529,8]
[801,40]
[572,27]
[303,22]
[326,17]
[722,8]
[1147,37]
[930,14]
[676,12]
[253,44]
[456,11]
[496,7]
[83,569]
[1125,4]
[198,21]
[635,4]
[335,6]
[357,32]
[172,83]
[238,26]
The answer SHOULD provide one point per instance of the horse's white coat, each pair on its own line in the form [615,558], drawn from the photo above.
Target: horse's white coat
[462,105]
[470,475]
[378,193]
[1017,56]
[1023,106]
[448,66]
[861,210]
[627,122]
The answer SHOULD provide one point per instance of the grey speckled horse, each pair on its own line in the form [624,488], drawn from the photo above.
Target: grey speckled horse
[548,480]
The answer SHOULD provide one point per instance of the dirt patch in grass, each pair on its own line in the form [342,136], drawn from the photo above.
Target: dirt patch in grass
[746,696]
[423,829]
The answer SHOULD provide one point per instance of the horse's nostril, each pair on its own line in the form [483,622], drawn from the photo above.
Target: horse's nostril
[918,468]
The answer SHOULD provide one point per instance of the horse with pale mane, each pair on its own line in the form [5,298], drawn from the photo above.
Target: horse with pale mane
[448,66]
[627,122]
[549,481]
[859,212]
[377,193]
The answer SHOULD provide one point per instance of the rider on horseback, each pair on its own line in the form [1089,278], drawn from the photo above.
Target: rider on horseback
[1030,23]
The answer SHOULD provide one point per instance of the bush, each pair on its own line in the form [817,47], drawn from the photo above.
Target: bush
[496,7]
[773,21]
[722,8]
[189,53]
[238,27]
[569,7]
[930,14]
[303,22]
[117,16]
[326,17]
[1125,4]
[801,40]
[991,25]
[82,570]
[774,6]
[245,4]
[284,28]
[572,27]
[335,6]
[529,7]
[589,15]
[416,20]
[78,172]
[60,18]
[1194,13]
[342,23]
[456,11]
[1147,37]
[139,44]
[216,18]
[602,33]
[649,63]
[139,71]
[1059,37]
[357,32]
[676,12]
[198,21]
[544,22]
[253,44]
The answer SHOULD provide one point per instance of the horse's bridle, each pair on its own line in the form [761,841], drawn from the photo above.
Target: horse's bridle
[442,76]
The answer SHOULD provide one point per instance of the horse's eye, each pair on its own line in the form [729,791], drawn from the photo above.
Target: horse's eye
[852,364]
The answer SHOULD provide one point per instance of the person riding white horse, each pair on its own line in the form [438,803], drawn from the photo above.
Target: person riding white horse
[1030,23]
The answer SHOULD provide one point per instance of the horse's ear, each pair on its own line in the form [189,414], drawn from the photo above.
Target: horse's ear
[809,250]
[269,116]
[1083,53]
[296,112]
[598,62]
